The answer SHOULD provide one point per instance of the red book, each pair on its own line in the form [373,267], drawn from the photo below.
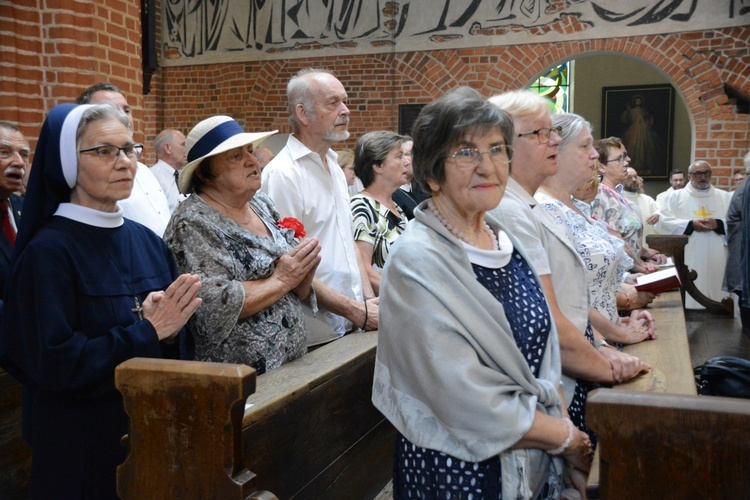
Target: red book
[660,281]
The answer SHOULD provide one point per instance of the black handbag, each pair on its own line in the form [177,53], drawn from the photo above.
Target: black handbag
[726,376]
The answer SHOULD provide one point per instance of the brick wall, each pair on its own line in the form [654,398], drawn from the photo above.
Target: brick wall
[50,50]
[72,44]
[697,63]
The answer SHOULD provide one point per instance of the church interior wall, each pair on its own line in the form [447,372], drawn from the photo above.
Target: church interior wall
[55,49]
[592,72]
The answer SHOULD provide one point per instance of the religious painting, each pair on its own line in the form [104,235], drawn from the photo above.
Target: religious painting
[642,116]
[407,115]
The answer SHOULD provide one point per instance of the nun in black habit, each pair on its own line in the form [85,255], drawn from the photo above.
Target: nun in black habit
[88,290]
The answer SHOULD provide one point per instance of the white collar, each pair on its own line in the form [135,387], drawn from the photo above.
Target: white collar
[90,216]
[492,259]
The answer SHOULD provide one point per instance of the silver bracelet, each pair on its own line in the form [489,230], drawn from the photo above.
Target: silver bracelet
[566,444]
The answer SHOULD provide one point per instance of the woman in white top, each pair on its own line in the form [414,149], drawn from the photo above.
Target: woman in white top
[603,254]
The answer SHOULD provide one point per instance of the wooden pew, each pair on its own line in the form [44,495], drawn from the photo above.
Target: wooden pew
[309,431]
[674,246]
[657,438]
[670,446]
[15,454]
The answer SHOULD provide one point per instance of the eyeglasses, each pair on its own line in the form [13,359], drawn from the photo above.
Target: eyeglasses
[7,152]
[237,156]
[543,134]
[110,153]
[619,159]
[702,173]
[472,157]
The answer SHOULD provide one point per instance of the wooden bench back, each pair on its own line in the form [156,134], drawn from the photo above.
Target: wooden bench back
[670,446]
[671,368]
[310,430]
[185,429]
[313,432]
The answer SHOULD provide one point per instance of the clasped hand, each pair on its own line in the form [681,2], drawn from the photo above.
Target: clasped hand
[296,268]
[705,225]
[624,366]
[580,452]
[639,326]
[169,310]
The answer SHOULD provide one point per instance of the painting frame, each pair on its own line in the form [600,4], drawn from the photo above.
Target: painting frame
[646,127]
[407,115]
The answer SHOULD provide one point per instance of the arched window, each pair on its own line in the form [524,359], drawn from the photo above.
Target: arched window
[555,86]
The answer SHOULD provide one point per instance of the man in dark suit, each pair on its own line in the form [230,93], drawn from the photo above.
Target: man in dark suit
[14,161]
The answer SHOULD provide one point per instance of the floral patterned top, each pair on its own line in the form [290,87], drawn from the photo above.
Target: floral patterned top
[611,207]
[626,263]
[375,224]
[224,254]
[602,253]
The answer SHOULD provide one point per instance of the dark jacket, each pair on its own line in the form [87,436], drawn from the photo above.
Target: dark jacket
[16,203]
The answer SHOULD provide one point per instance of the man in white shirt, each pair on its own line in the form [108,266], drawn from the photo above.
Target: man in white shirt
[170,150]
[305,181]
[699,211]
[147,203]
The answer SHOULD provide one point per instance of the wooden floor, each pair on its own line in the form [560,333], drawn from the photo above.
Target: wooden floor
[714,335]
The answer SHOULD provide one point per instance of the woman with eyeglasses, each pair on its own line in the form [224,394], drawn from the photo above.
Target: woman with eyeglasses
[255,266]
[377,220]
[602,253]
[88,290]
[611,207]
[470,377]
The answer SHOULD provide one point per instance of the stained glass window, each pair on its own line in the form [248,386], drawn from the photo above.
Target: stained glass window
[554,85]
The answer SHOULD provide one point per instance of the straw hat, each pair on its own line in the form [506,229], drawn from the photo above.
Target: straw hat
[210,137]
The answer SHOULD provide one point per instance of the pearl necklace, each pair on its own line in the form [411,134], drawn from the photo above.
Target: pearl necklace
[458,234]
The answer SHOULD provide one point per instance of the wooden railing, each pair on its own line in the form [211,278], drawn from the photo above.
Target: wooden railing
[309,431]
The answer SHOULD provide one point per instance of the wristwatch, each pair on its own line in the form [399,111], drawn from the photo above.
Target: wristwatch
[603,343]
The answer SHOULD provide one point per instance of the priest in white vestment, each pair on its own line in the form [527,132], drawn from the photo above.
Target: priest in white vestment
[676,182]
[699,211]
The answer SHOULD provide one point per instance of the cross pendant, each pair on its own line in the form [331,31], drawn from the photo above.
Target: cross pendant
[137,309]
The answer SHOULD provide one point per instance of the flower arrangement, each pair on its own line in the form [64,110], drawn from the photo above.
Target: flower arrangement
[293,224]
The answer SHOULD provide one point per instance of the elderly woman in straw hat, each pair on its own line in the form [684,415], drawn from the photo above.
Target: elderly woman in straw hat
[255,269]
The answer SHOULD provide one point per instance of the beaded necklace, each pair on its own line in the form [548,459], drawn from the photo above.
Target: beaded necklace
[458,234]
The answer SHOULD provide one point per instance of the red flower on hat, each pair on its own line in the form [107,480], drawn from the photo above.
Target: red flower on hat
[292,223]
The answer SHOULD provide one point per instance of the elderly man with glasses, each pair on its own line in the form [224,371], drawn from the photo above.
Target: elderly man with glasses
[699,211]
[14,161]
